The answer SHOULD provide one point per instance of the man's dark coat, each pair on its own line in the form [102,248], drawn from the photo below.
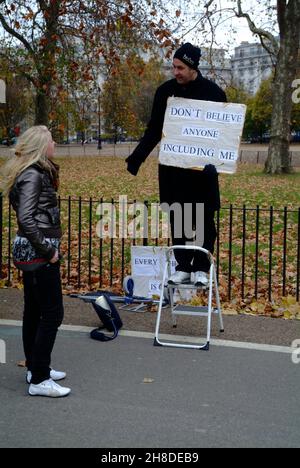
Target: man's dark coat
[177,184]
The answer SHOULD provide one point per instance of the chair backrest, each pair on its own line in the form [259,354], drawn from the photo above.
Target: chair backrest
[171,249]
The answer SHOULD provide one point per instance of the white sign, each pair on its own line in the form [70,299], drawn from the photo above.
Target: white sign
[2,92]
[154,288]
[196,133]
[147,268]
[2,352]
[144,265]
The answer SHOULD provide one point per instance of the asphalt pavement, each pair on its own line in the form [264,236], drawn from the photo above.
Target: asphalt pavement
[129,394]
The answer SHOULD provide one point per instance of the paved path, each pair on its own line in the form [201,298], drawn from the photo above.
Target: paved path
[227,397]
[253,329]
[251,153]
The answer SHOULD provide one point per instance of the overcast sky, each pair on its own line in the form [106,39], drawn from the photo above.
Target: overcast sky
[225,37]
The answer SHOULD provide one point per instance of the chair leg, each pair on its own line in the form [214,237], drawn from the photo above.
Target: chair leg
[218,303]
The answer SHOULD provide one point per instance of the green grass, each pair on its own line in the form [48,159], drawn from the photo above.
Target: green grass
[107,177]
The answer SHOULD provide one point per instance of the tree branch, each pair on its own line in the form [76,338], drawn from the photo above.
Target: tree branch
[19,68]
[262,33]
[15,34]
[207,15]
[281,9]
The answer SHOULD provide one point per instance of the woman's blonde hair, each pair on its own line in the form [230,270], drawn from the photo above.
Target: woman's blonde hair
[31,149]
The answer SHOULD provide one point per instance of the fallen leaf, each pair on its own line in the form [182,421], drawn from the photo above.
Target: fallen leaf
[148,380]
[230,312]
[289,300]
[268,309]
[277,313]
[21,364]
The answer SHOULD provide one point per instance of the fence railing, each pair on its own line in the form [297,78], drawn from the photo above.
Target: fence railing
[257,249]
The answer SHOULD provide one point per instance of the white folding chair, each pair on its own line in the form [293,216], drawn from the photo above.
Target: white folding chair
[179,309]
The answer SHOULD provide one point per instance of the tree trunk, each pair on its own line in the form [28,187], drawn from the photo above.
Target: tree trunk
[47,62]
[41,109]
[278,160]
[278,156]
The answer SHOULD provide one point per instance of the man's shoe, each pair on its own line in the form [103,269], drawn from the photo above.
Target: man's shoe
[180,277]
[54,375]
[200,278]
[48,388]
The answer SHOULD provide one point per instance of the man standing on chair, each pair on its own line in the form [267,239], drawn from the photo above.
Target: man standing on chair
[178,185]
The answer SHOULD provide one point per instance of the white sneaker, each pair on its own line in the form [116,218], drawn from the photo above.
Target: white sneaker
[180,277]
[48,388]
[200,278]
[54,375]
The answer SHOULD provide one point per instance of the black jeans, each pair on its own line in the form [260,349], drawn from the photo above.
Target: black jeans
[43,314]
[192,260]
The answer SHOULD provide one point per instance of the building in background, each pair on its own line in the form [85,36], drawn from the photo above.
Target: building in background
[250,65]
[215,66]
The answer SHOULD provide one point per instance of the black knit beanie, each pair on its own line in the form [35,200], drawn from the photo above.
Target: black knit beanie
[189,54]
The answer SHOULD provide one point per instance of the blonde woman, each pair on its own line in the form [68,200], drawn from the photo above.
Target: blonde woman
[31,181]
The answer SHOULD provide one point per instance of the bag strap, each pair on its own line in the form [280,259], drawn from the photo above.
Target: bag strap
[96,334]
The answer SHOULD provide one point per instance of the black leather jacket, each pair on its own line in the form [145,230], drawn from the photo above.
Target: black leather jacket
[34,200]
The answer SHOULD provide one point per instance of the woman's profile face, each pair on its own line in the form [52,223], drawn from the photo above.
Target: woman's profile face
[50,148]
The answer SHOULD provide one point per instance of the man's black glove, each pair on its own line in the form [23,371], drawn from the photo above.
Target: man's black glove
[133,165]
[210,169]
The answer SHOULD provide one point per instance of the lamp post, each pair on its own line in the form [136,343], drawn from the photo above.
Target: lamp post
[99,113]
[2,92]
[2,112]
[67,109]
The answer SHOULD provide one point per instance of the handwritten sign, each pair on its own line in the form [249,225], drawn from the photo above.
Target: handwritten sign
[2,92]
[196,133]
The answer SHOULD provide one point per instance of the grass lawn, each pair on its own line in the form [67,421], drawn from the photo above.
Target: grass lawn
[108,178]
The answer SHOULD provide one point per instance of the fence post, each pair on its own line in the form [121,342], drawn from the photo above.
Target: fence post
[270,253]
[298,258]
[230,251]
[69,240]
[9,246]
[256,250]
[218,245]
[1,231]
[79,240]
[243,251]
[90,239]
[284,252]
[146,229]
[112,242]
[101,250]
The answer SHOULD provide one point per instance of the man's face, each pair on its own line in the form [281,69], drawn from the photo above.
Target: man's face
[182,72]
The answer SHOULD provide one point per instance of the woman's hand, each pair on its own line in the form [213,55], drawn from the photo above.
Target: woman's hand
[55,257]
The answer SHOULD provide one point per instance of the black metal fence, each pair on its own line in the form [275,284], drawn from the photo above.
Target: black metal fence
[257,249]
